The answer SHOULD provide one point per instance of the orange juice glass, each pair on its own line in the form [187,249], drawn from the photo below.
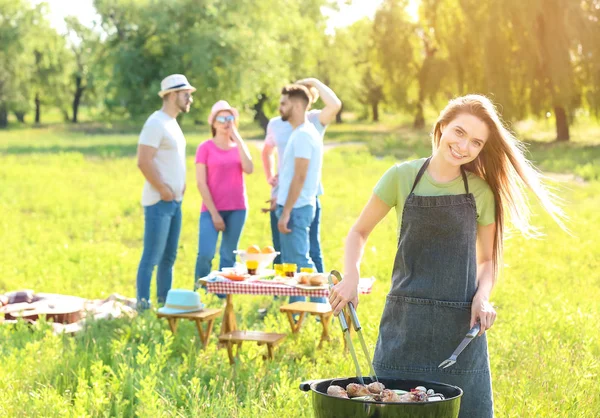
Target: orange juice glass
[290,269]
[252,266]
[279,270]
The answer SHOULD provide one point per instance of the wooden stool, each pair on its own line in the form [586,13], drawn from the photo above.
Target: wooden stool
[322,310]
[270,339]
[205,315]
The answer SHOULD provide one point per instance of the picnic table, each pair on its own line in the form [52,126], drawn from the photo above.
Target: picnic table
[263,287]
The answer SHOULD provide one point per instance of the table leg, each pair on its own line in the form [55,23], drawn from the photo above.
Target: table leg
[209,327]
[204,336]
[230,352]
[325,320]
[239,346]
[295,325]
[229,323]
[300,320]
[291,321]
[173,324]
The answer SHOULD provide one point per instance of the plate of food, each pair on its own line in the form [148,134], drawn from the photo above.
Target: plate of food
[273,279]
[310,281]
[235,276]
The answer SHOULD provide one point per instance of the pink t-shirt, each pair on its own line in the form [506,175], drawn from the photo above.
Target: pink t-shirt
[224,176]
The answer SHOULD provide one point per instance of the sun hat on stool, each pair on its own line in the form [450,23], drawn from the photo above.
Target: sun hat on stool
[181,301]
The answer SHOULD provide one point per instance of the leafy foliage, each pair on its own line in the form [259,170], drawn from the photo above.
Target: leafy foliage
[533,58]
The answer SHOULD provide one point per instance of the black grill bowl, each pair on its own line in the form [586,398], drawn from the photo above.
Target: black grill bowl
[325,406]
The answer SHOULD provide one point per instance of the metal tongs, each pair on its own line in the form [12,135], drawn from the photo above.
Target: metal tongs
[357,328]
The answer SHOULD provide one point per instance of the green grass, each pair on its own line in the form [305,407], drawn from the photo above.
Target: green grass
[71,223]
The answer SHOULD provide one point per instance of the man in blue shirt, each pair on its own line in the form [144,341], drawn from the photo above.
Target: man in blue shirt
[299,179]
[278,135]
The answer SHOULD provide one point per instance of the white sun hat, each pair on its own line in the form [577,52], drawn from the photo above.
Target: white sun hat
[175,82]
[181,301]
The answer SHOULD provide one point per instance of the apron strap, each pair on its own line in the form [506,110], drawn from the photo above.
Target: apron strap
[464,176]
[420,174]
[424,167]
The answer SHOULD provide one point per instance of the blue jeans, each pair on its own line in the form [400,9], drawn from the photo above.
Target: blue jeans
[314,239]
[162,225]
[295,245]
[314,236]
[207,241]
[275,237]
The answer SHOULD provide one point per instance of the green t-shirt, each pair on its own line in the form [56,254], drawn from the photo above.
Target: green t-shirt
[394,187]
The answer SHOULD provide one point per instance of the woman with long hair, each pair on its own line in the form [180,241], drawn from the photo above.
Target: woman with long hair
[451,211]
[220,166]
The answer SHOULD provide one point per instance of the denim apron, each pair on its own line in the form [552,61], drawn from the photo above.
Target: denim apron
[428,310]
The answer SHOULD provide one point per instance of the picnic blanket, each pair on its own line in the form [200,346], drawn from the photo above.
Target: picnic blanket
[67,313]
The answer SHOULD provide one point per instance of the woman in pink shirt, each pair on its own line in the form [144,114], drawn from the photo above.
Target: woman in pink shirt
[220,164]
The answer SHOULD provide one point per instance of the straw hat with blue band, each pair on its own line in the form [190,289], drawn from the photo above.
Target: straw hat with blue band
[175,82]
[181,301]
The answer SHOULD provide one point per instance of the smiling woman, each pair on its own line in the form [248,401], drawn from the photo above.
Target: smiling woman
[451,216]
[463,138]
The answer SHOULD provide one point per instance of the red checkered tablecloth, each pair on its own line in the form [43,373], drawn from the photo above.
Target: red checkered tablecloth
[261,288]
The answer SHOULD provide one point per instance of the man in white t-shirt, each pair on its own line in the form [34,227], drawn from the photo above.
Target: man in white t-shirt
[278,135]
[161,159]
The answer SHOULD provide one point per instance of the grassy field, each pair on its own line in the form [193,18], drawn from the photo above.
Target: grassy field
[71,223]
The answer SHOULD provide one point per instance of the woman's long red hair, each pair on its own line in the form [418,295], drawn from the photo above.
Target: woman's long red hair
[503,165]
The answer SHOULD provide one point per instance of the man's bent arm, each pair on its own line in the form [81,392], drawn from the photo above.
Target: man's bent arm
[332,103]
[145,162]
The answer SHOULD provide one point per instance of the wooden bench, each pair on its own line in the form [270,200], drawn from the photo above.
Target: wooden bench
[205,315]
[322,310]
[270,339]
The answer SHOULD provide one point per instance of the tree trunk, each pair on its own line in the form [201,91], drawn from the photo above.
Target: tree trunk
[66,116]
[423,78]
[3,116]
[77,98]
[375,108]
[338,116]
[259,113]
[20,116]
[37,108]
[419,122]
[562,124]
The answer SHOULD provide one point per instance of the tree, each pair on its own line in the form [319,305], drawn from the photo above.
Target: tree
[16,59]
[88,53]
[52,66]
[236,50]
[522,56]
[346,60]
[546,35]
[555,24]
[588,55]
[395,42]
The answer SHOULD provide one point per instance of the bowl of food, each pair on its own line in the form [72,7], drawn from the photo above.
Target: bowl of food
[264,256]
